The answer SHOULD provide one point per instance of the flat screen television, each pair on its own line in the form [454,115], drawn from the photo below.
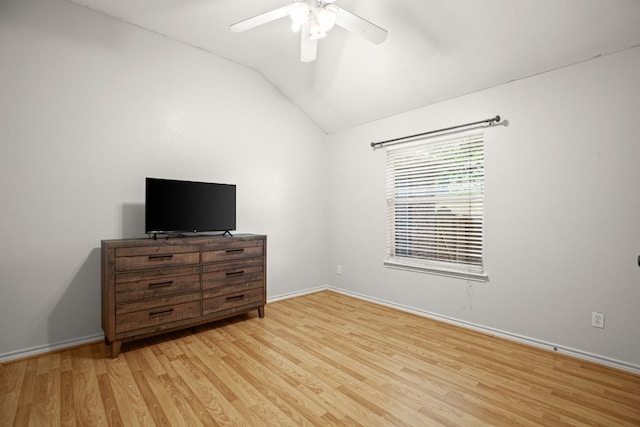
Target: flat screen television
[175,207]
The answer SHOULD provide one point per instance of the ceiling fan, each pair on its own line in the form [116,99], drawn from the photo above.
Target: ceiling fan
[313,19]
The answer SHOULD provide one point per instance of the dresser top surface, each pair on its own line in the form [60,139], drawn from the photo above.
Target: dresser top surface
[185,240]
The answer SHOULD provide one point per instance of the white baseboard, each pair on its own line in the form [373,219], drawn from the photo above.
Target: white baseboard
[596,358]
[603,360]
[46,348]
[297,293]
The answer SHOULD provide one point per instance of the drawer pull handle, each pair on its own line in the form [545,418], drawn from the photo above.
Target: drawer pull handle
[160,312]
[161,284]
[236,298]
[163,256]
[235,251]
[235,273]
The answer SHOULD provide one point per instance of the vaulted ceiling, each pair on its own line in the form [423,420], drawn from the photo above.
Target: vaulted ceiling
[435,49]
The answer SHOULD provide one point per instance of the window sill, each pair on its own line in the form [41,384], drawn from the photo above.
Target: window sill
[440,271]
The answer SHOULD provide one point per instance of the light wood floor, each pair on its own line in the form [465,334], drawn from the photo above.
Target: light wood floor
[319,359]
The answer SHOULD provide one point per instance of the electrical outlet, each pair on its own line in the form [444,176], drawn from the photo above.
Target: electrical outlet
[597,319]
[339,269]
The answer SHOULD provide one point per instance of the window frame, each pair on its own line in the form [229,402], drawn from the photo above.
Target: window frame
[442,186]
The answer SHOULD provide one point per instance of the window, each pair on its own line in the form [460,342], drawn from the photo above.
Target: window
[435,193]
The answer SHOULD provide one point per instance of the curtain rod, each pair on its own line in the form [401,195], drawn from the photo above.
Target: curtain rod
[490,121]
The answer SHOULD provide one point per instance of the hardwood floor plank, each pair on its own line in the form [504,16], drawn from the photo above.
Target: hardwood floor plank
[153,405]
[11,380]
[111,409]
[67,399]
[225,374]
[199,367]
[27,387]
[41,404]
[88,405]
[22,416]
[273,362]
[211,406]
[323,359]
[169,396]
[275,394]
[302,376]
[129,400]
[181,394]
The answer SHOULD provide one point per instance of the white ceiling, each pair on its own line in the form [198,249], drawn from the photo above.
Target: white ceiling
[435,50]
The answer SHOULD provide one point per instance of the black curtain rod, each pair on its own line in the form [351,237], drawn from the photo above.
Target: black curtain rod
[490,121]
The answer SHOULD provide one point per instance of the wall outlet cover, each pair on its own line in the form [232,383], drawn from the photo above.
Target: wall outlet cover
[597,319]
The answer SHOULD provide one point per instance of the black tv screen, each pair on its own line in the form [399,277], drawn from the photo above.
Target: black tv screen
[173,206]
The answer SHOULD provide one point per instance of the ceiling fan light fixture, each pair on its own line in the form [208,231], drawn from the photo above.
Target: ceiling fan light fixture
[299,13]
[315,31]
[326,17]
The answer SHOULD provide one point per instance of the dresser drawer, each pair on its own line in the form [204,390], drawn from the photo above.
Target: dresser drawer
[162,311]
[138,258]
[236,289]
[156,283]
[226,273]
[238,298]
[215,252]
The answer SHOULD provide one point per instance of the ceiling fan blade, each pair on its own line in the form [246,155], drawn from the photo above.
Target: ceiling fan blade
[362,27]
[258,20]
[308,47]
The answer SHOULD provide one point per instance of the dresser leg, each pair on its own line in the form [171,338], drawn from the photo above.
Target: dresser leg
[261,311]
[115,348]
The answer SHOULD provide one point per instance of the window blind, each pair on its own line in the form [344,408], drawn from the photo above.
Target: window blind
[435,205]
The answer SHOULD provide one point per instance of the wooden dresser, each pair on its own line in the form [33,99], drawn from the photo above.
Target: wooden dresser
[154,286]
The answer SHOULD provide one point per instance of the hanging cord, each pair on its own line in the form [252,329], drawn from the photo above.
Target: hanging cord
[380,144]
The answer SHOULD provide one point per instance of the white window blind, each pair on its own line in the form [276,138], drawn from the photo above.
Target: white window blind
[435,212]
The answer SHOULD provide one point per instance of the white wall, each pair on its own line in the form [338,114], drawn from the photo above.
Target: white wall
[89,107]
[562,210]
